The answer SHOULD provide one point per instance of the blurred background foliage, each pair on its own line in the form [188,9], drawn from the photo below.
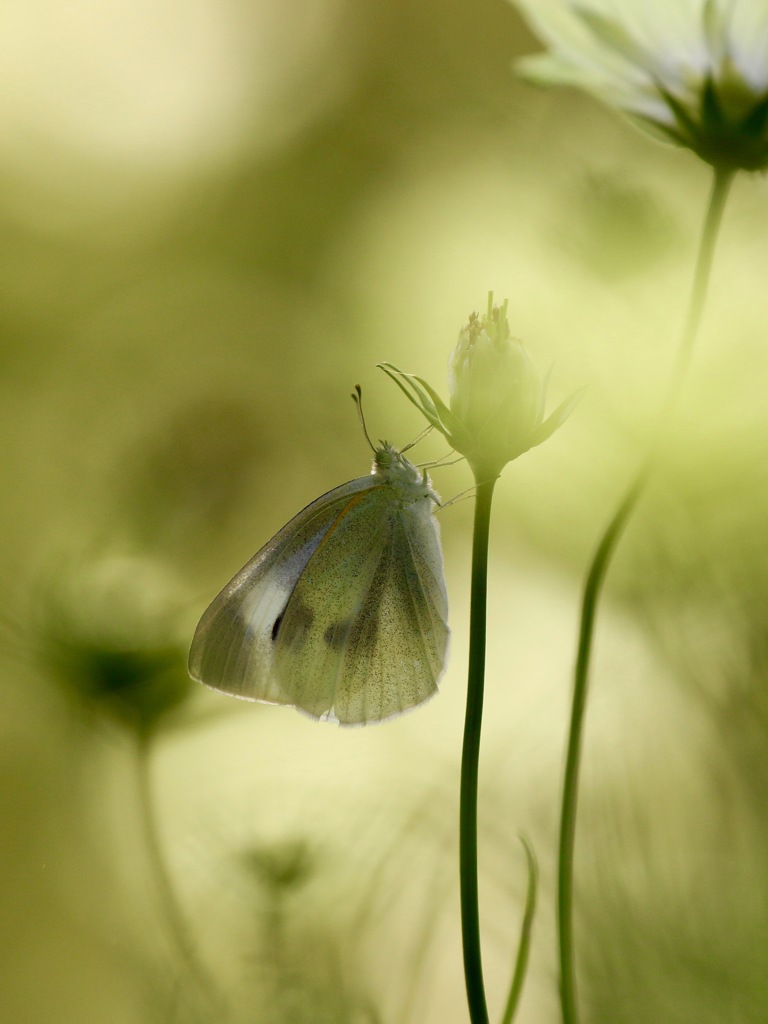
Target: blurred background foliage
[216,218]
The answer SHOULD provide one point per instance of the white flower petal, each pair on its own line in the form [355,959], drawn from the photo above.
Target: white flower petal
[635,97]
[748,32]
[698,65]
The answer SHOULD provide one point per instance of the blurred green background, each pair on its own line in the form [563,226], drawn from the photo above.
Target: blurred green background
[217,217]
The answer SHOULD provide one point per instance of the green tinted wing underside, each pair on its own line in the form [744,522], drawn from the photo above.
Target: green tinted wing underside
[364,635]
[233,646]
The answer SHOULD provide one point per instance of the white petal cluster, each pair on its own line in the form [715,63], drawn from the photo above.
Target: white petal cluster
[695,71]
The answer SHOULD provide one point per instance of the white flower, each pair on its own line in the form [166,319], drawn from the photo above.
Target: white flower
[693,71]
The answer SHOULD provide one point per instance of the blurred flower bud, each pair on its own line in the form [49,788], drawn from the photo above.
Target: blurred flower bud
[281,866]
[112,636]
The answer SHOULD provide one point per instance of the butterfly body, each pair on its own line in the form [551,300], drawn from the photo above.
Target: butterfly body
[343,614]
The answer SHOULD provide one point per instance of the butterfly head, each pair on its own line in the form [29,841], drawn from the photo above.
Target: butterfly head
[392,466]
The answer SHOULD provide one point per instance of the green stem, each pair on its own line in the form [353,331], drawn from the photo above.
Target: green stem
[174,918]
[593,586]
[470,914]
[526,929]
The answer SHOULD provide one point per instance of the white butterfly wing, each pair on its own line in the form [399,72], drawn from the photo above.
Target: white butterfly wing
[365,633]
[233,647]
[343,614]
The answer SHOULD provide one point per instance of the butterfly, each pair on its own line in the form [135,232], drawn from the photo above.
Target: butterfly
[343,614]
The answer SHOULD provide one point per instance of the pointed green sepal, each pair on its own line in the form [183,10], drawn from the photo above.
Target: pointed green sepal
[556,419]
[427,400]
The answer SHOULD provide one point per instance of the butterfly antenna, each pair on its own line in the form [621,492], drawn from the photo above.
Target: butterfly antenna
[357,398]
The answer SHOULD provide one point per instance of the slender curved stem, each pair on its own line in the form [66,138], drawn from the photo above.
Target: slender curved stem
[470,913]
[526,929]
[593,585]
[169,905]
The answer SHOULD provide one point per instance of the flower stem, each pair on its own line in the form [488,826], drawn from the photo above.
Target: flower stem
[470,914]
[593,586]
[524,947]
[174,918]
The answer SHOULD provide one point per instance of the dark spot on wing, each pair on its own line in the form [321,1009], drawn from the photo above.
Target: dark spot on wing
[278,623]
[361,632]
[336,634]
[292,624]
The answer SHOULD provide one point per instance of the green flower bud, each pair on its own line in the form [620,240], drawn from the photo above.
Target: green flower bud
[496,392]
[496,409]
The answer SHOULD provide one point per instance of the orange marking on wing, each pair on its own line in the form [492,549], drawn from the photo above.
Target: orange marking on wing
[350,504]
